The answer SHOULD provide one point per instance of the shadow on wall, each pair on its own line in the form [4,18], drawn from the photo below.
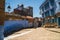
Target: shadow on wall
[12,26]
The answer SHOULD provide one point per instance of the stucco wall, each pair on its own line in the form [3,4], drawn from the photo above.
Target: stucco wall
[1,19]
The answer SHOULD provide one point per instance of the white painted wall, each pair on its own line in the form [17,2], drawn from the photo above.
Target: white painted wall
[57,6]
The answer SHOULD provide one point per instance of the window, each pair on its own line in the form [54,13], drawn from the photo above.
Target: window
[59,21]
[43,15]
[59,4]
[47,5]
[47,14]
[43,9]
[52,2]
[52,11]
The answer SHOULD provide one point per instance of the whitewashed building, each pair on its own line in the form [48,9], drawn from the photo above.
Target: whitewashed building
[50,11]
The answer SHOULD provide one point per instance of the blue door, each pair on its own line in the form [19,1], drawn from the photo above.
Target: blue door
[59,21]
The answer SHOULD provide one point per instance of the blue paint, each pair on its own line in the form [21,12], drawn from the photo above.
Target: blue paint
[1,32]
[10,26]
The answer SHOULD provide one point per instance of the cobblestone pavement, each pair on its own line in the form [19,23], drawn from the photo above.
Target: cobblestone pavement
[39,34]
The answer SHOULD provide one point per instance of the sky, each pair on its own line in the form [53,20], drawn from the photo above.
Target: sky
[33,3]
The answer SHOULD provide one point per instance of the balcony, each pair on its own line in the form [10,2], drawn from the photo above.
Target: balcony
[57,0]
[57,10]
[41,12]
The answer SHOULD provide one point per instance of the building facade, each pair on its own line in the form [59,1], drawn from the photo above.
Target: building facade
[12,16]
[2,15]
[30,11]
[50,11]
[24,11]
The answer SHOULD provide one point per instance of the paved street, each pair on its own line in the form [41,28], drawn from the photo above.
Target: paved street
[38,34]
